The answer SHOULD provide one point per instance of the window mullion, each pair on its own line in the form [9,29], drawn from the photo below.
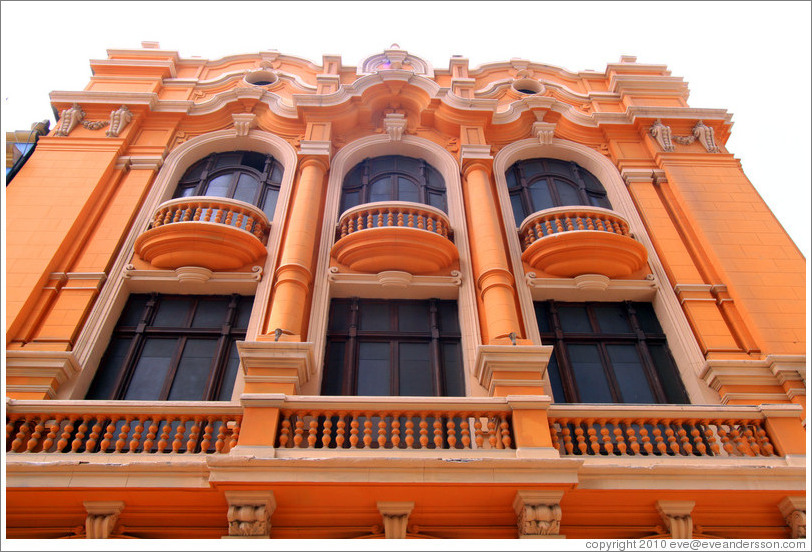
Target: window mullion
[564,365]
[648,362]
[218,366]
[436,359]
[173,368]
[128,366]
[350,369]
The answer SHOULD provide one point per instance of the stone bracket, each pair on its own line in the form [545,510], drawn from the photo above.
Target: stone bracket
[395,518]
[677,517]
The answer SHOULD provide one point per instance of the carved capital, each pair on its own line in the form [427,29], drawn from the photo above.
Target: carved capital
[101,518]
[538,512]
[793,508]
[395,518]
[676,515]
[249,513]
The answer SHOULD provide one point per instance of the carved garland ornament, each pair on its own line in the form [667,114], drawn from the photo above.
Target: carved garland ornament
[701,132]
[75,115]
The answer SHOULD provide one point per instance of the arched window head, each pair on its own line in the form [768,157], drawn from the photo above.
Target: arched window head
[393,178]
[247,176]
[538,184]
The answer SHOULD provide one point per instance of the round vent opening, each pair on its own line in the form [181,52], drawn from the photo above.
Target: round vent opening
[526,86]
[260,78]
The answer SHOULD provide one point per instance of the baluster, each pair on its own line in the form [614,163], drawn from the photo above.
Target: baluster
[764,441]
[658,436]
[136,438]
[198,212]
[78,441]
[167,216]
[22,434]
[382,431]
[527,239]
[187,213]
[421,221]
[194,435]
[380,218]
[341,429]
[108,434]
[566,433]
[438,431]
[593,437]
[424,431]
[354,431]
[240,218]
[207,216]
[725,438]
[492,440]
[537,232]
[167,429]
[33,441]
[685,443]
[220,444]
[350,225]
[738,438]
[327,433]
[178,212]
[430,224]
[646,440]
[410,220]
[400,217]
[570,226]
[558,227]
[409,430]
[205,443]
[235,433]
[710,437]
[451,433]
[125,431]
[11,424]
[554,434]
[367,430]
[671,436]
[751,440]
[95,431]
[479,438]
[632,435]
[395,431]
[607,441]
[298,436]
[390,217]
[179,433]
[505,430]
[697,437]
[465,432]
[620,443]
[444,230]
[580,224]
[229,217]
[284,433]
[548,226]
[343,227]
[590,223]
[370,219]
[313,430]
[579,436]
[66,433]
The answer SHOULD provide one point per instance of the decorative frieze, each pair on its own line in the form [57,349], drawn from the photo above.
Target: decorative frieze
[249,513]
[538,513]
[395,518]
[676,515]
[101,518]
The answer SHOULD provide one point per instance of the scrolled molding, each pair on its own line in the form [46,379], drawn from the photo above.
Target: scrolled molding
[662,134]
[119,119]
[69,119]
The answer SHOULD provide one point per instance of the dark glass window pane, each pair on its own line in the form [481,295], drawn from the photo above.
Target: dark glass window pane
[268,205]
[193,370]
[510,177]
[133,311]
[438,200]
[373,369]
[567,193]
[186,191]
[227,160]
[612,318]
[518,209]
[218,186]
[334,368]
[350,199]
[254,160]
[210,313]
[574,319]
[589,375]
[339,316]
[413,317]
[415,375]
[375,316]
[381,190]
[276,175]
[243,312]
[559,167]
[449,320]
[452,370]
[378,165]
[408,164]
[151,370]
[196,171]
[555,380]
[646,318]
[532,168]
[599,201]
[540,194]
[543,316]
[230,375]
[102,386]
[407,190]
[667,372]
[628,370]
[247,187]
[172,312]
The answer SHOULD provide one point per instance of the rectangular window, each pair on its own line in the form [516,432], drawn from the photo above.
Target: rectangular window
[393,348]
[173,347]
[608,353]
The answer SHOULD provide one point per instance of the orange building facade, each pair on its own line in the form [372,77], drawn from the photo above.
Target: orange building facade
[259,297]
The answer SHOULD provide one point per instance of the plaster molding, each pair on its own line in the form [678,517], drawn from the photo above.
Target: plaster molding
[395,518]
[295,355]
[140,162]
[60,366]
[676,515]
[529,359]
[192,279]
[380,286]
[773,370]
[149,99]
[119,119]
[662,134]
[122,407]
[315,147]
[590,287]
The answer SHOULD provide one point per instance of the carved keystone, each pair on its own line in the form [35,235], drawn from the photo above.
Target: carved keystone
[395,517]
[677,517]
[793,508]
[244,122]
[395,124]
[538,514]
[544,132]
[249,513]
[101,518]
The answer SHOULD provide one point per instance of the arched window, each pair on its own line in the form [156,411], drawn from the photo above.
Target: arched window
[538,184]
[393,178]
[247,176]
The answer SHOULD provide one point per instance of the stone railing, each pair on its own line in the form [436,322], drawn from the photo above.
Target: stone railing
[568,219]
[216,210]
[653,430]
[395,423]
[383,214]
[122,427]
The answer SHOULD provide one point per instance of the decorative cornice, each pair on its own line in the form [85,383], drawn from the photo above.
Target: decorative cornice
[590,287]
[256,355]
[529,359]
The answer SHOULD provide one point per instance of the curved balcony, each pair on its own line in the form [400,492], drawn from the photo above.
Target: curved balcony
[395,235]
[213,232]
[569,241]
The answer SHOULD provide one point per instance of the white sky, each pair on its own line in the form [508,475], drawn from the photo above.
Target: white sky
[750,58]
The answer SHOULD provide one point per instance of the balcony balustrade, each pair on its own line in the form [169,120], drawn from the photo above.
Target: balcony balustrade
[569,241]
[659,431]
[123,429]
[213,232]
[395,235]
